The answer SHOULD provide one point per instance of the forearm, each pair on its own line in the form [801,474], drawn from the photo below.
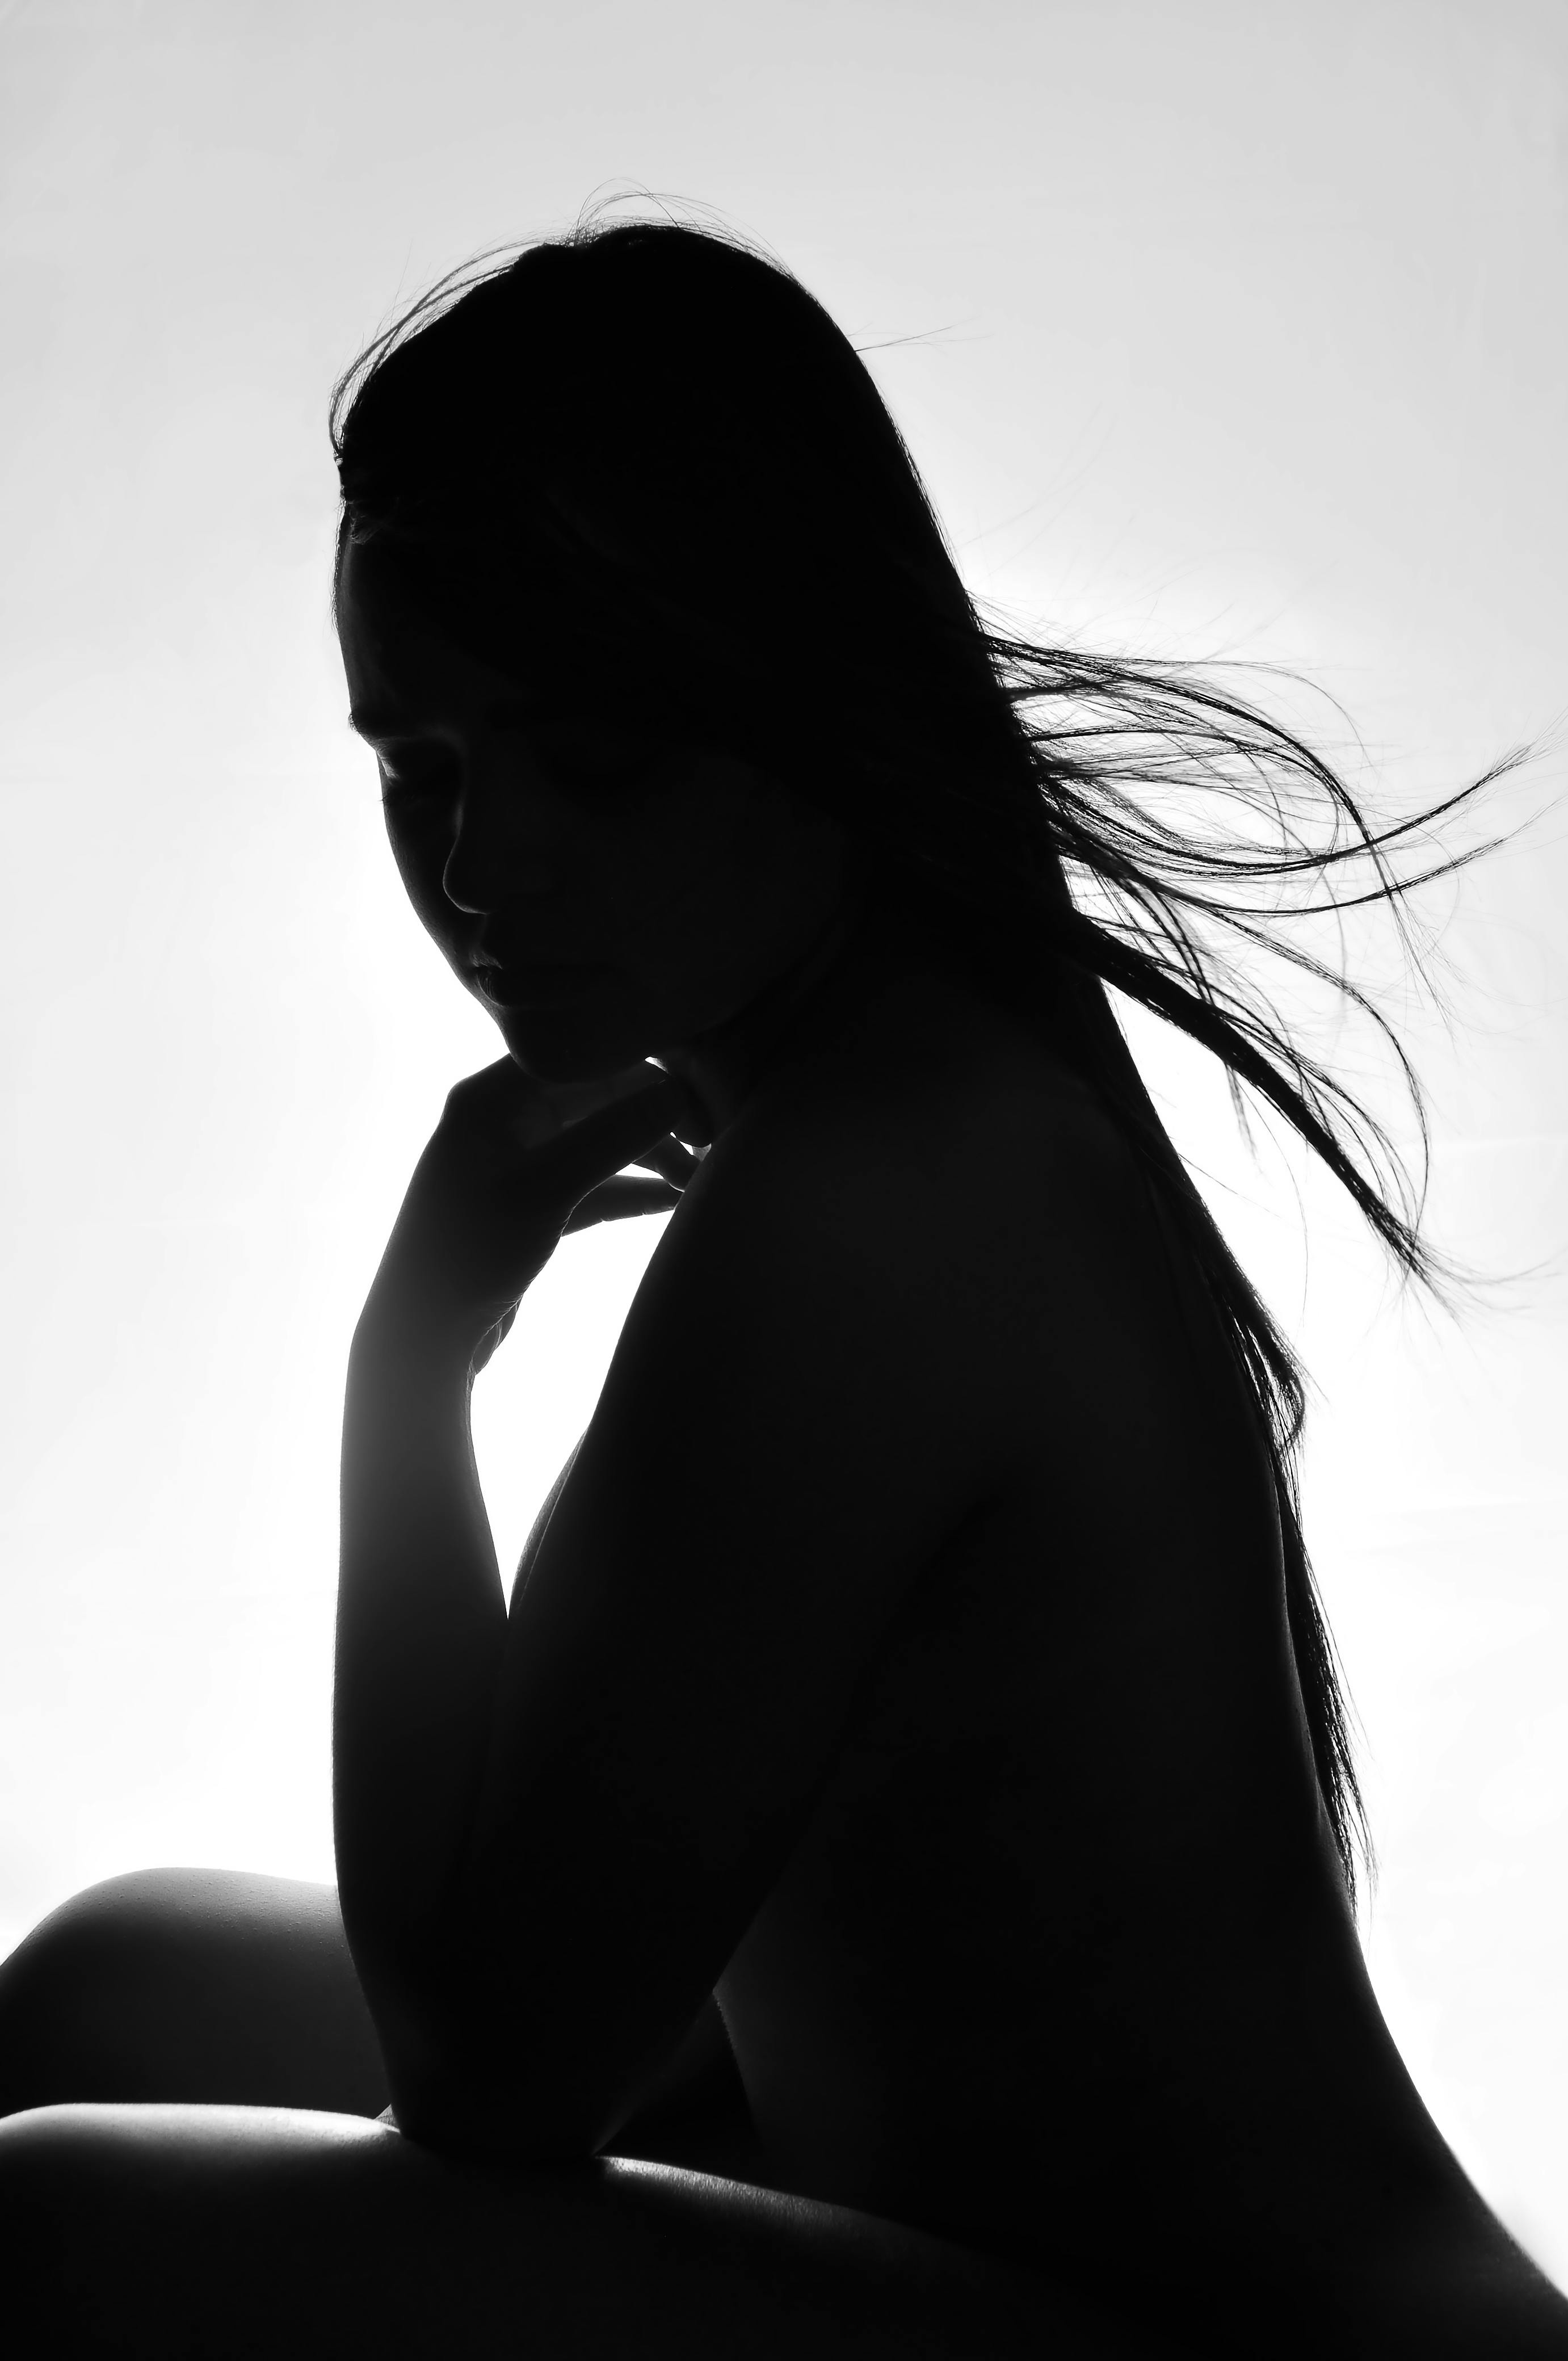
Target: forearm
[431,1907]
[421,1624]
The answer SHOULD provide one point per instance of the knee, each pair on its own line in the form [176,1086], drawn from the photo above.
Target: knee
[187,1984]
[58,1987]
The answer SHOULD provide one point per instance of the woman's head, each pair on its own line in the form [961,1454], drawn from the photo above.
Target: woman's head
[639,482]
[643,464]
[668,883]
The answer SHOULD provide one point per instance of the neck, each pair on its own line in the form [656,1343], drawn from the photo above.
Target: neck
[804,1009]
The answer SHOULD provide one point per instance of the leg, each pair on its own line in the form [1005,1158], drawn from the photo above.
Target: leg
[232,2234]
[216,1986]
[206,1984]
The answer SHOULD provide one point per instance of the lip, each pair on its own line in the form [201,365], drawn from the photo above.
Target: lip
[536,983]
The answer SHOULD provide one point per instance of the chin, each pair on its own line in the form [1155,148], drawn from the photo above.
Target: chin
[559,1044]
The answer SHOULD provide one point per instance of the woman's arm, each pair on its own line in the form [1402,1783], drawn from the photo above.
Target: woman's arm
[421,1623]
[421,1618]
[788,1429]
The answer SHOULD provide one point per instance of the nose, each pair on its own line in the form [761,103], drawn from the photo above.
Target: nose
[506,847]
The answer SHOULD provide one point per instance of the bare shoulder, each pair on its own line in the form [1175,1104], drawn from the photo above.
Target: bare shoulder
[984,1185]
[974,1105]
[972,1233]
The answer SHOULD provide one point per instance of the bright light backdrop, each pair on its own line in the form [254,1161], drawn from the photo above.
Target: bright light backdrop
[1239,333]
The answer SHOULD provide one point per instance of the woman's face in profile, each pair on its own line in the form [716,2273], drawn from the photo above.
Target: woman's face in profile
[604,898]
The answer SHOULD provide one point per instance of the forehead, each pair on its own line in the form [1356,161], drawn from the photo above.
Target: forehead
[553,663]
[398,668]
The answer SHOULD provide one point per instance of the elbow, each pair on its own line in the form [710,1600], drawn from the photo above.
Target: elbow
[469,2079]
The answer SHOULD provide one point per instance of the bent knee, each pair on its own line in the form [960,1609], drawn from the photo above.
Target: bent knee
[195,1985]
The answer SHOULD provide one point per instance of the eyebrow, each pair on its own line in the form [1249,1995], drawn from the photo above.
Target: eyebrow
[373,721]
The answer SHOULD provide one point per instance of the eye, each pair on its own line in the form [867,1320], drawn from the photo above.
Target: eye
[413,780]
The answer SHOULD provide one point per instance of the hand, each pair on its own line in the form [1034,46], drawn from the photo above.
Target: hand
[513,1165]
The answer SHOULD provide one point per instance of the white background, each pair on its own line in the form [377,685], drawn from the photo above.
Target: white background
[1241,333]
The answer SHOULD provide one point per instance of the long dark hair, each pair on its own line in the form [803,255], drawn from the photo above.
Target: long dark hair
[641,462]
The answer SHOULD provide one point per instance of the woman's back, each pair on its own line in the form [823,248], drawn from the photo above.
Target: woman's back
[1062,1939]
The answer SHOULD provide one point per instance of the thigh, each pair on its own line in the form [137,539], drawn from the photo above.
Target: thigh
[231,2233]
[201,1984]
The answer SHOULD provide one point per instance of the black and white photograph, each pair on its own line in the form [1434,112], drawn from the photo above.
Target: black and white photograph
[784,1226]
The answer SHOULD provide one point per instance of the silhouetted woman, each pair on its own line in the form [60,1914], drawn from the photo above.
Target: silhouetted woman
[886,1885]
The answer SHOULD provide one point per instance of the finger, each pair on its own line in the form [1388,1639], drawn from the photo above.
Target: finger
[619,1200]
[692,1122]
[503,1090]
[572,1102]
[498,1087]
[567,1165]
[670,1158]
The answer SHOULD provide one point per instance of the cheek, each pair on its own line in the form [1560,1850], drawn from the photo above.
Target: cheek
[693,925]
[652,882]
[708,862]
[734,895]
